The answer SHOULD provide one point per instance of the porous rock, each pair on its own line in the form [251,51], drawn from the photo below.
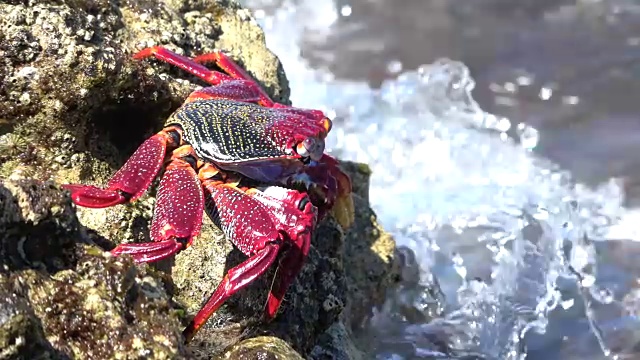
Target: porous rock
[62,298]
[261,347]
[370,267]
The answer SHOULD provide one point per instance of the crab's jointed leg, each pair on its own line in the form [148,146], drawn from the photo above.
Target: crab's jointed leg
[289,267]
[243,82]
[178,212]
[236,84]
[131,180]
[258,223]
[236,279]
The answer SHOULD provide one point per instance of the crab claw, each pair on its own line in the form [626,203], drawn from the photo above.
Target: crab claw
[329,189]
[259,222]
[128,183]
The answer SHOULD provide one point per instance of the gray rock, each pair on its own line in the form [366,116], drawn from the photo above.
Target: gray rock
[62,298]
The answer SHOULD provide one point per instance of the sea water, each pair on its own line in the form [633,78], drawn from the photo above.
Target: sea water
[501,239]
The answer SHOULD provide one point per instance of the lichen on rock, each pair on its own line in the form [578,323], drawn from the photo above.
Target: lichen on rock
[261,347]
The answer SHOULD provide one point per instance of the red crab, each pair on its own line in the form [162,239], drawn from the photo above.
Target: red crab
[231,145]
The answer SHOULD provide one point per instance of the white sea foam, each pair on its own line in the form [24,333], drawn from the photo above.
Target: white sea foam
[451,185]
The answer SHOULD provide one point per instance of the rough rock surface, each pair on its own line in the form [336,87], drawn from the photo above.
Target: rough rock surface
[262,347]
[62,298]
[73,107]
[370,268]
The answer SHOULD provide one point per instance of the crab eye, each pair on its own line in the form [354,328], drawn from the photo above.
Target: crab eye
[311,147]
[302,150]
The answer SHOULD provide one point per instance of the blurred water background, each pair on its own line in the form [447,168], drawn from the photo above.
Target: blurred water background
[503,139]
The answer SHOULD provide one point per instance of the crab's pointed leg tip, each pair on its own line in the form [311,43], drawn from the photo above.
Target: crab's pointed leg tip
[189,332]
[94,197]
[73,188]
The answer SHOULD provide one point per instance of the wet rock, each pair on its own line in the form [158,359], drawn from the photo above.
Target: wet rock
[38,227]
[369,255]
[262,347]
[338,343]
[21,334]
[61,297]
[369,267]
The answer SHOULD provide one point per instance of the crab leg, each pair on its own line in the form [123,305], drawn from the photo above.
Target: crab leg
[225,63]
[229,90]
[237,85]
[148,252]
[133,178]
[289,207]
[275,216]
[288,269]
[178,213]
[243,82]
[236,278]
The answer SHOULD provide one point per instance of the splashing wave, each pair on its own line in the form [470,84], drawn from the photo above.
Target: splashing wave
[448,181]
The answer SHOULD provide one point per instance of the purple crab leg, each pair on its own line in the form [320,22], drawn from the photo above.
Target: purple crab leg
[271,218]
[236,84]
[133,178]
[236,74]
[178,212]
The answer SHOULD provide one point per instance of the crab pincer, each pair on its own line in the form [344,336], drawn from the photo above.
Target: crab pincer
[259,223]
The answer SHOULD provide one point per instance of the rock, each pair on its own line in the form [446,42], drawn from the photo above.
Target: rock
[369,254]
[63,298]
[73,107]
[370,267]
[338,343]
[262,347]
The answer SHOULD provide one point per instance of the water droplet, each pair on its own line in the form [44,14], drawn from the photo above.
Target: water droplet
[394,66]
[510,87]
[545,93]
[524,80]
[529,136]
[588,281]
[567,304]
[346,11]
